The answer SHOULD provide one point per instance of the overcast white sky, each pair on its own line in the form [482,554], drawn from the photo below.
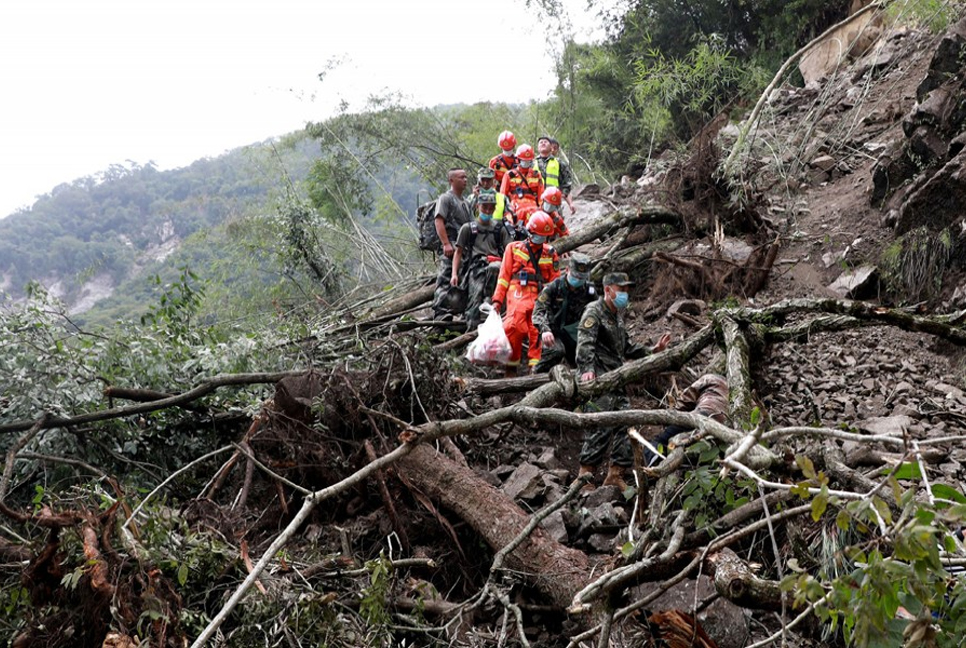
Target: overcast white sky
[90,83]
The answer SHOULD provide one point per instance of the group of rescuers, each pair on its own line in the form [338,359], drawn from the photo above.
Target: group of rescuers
[495,248]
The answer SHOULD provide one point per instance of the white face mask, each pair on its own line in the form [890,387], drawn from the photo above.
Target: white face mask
[526,164]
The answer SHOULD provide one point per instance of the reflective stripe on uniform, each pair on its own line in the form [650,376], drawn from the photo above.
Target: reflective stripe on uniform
[522,254]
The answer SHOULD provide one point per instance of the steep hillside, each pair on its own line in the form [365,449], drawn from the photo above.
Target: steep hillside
[347,477]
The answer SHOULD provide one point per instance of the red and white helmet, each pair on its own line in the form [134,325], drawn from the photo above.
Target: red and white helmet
[552,195]
[506,140]
[541,224]
[525,152]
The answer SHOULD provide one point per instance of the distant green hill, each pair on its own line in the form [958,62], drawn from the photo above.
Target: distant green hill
[115,222]
[111,234]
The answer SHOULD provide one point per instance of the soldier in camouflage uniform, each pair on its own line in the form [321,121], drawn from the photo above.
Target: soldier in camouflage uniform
[479,251]
[558,309]
[602,346]
[452,211]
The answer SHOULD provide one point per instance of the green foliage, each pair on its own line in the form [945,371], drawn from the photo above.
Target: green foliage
[337,189]
[932,15]
[102,224]
[676,97]
[47,365]
[893,561]
[372,607]
[667,66]
[705,494]
[302,247]
[913,266]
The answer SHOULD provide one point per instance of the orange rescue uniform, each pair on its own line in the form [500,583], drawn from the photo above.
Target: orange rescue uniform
[561,226]
[518,286]
[523,188]
[500,165]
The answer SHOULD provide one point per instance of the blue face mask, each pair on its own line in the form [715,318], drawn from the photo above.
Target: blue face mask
[574,281]
[620,300]
[536,239]
[485,218]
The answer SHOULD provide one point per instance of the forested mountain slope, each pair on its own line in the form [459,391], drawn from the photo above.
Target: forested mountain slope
[102,230]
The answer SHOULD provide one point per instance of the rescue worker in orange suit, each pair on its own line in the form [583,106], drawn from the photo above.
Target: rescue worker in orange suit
[526,268]
[550,203]
[523,185]
[506,160]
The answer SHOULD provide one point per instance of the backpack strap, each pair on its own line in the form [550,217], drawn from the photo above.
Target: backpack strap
[536,266]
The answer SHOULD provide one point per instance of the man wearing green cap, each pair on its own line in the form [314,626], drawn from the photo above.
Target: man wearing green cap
[602,346]
[558,310]
[481,243]
[486,179]
[556,171]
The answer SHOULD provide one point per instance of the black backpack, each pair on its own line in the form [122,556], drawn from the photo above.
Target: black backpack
[426,226]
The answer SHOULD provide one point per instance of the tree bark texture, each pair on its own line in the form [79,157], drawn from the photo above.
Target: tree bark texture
[735,581]
[557,571]
[739,371]
[646,215]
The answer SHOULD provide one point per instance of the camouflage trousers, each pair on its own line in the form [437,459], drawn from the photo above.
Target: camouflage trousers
[564,347]
[480,282]
[447,300]
[599,440]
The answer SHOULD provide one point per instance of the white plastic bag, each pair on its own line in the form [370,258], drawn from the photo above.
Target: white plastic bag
[491,346]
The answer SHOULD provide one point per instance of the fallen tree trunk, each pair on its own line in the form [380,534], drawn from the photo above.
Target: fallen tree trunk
[735,581]
[646,215]
[410,299]
[739,371]
[943,326]
[557,571]
[629,261]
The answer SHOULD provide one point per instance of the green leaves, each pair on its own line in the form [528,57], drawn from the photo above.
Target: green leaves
[819,504]
[945,492]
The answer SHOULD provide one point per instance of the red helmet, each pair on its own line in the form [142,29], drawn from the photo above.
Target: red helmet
[506,140]
[525,152]
[553,195]
[541,224]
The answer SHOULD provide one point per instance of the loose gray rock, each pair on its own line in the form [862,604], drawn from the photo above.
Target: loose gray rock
[724,621]
[524,483]
[555,527]
[547,459]
[606,516]
[886,425]
[601,495]
[823,162]
[602,543]
[855,283]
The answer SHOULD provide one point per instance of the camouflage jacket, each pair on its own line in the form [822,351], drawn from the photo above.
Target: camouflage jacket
[559,305]
[602,342]
[708,395]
